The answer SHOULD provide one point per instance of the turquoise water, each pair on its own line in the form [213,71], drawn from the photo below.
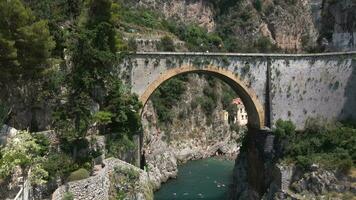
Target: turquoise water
[202,179]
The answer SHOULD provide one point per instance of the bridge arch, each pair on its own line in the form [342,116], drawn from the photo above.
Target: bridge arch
[253,107]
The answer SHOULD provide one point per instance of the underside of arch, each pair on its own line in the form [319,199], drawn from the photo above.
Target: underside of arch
[253,107]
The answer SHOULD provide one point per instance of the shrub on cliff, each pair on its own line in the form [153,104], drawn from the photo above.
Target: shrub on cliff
[330,145]
[59,165]
[166,44]
[284,129]
[78,175]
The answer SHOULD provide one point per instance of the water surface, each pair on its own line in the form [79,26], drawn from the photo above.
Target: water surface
[202,179]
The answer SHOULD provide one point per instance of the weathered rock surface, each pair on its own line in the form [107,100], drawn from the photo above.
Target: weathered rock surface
[338,24]
[292,26]
[198,11]
[6,132]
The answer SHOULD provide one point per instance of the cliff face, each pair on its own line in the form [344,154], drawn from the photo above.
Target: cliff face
[293,26]
[288,25]
[260,174]
[191,11]
[190,136]
[338,24]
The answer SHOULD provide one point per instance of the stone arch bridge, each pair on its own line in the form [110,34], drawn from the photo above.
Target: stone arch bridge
[272,86]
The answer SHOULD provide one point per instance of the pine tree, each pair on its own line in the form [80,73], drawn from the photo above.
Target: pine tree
[25,44]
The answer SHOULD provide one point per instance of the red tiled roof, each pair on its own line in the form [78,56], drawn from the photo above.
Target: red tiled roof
[237,101]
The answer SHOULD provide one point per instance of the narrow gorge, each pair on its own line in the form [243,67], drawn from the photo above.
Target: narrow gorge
[192,131]
[177,99]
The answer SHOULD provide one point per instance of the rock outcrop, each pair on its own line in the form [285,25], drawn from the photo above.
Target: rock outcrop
[338,24]
[6,132]
[198,11]
[269,179]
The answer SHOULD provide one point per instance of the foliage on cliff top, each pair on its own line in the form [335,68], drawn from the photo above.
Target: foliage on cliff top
[25,42]
[331,145]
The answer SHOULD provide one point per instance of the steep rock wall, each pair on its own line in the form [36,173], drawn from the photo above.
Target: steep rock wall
[339,24]
[294,26]
[192,11]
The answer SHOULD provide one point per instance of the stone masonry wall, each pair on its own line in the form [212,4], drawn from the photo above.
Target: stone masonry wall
[300,86]
[99,187]
[313,87]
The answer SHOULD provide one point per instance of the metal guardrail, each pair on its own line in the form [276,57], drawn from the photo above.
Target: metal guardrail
[19,195]
[25,191]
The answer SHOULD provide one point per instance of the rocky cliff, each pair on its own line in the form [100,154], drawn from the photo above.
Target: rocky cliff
[197,11]
[338,24]
[271,179]
[293,26]
[189,136]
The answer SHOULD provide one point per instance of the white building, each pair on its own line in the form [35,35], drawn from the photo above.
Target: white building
[241,114]
[224,115]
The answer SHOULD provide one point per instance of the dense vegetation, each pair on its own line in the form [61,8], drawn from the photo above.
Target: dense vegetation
[88,97]
[167,96]
[63,51]
[164,99]
[332,146]
[195,37]
[25,42]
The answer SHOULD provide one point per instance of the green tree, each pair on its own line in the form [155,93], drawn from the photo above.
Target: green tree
[92,47]
[99,11]
[90,82]
[25,44]
[23,150]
